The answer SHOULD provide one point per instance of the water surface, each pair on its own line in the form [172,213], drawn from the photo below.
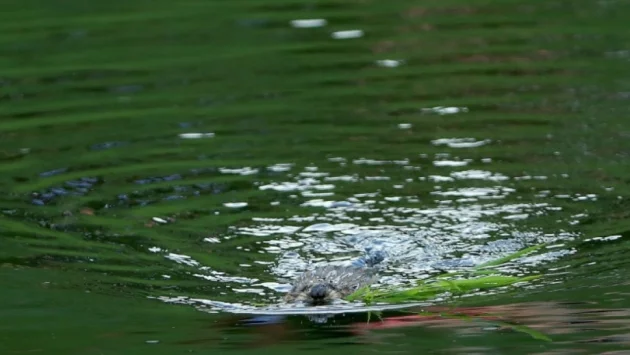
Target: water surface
[168,167]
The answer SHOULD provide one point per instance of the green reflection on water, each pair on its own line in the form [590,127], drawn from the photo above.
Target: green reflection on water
[76,77]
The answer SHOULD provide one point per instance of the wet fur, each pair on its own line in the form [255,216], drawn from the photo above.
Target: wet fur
[342,281]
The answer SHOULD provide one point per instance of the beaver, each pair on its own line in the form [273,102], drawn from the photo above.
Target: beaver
[324,285]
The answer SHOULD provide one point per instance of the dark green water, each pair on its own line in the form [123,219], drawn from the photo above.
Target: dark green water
[452,132]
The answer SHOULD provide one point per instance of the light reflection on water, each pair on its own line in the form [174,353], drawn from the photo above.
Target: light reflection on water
[449,225]
[452,213]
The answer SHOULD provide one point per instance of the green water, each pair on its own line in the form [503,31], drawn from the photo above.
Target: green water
[109,214]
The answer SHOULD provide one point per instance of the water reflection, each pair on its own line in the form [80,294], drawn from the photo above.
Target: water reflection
[309,23]
[435,213]
[538,327]
[429,223]
[389,63]
[164,207]
[347,34]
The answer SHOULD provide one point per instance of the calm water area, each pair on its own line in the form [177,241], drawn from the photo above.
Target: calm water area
[168,168]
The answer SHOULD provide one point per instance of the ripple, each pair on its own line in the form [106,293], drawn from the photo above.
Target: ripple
[389,63]
[470,221]
[482,192]
[300,185]
[280,167]
[182,259]
[309,23]
[235,204]
[479,175]
[441,110]
[460,142]
[196,135]
[240,171]
[422,239]
[450,163]
[348,34]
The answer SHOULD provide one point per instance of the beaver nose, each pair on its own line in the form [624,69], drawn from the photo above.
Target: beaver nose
[318,292]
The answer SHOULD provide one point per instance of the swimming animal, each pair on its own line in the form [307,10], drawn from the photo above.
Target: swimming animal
[324,285]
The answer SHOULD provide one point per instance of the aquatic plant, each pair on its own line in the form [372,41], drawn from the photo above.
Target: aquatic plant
[483,277]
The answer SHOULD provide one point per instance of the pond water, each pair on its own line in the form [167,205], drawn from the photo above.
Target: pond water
[169,168]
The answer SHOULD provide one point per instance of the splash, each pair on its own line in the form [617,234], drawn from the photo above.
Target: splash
[464,219]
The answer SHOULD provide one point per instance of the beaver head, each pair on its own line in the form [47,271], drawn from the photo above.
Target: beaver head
[323,285]
[314,294]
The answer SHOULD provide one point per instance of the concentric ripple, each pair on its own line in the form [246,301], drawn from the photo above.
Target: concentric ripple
[429,218]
